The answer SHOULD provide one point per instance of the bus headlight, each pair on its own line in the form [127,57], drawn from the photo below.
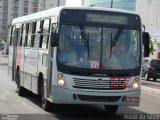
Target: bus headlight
[61,82]
[136,83]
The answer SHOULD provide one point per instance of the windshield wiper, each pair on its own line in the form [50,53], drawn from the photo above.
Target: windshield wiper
[84,37]
[83,34]
[117,36]
[115,40]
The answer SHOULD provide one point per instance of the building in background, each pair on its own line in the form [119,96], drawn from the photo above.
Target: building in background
[119,4]
[10,9]
[149,10]
[3,18]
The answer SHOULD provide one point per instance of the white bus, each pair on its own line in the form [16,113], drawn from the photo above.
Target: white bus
[78,55]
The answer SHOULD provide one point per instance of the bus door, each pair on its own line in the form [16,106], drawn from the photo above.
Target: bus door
[51,56]
[13,50]
[16,41]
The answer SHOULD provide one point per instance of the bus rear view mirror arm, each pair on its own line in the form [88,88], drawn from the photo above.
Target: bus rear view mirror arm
[145,39]
[54,39]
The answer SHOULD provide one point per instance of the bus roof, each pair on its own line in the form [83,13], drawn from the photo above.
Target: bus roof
[55,11]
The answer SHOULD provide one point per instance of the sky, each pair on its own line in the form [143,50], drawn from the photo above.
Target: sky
[73,2]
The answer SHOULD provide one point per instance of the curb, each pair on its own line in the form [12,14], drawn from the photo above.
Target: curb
[3,63]
[3,55]
[152,91]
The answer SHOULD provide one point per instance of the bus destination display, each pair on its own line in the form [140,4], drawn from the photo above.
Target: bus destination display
[103,18]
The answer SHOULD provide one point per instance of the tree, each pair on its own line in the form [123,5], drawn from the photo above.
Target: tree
[151,46]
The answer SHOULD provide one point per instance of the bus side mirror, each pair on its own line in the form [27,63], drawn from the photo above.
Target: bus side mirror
[145,39]
[54,39]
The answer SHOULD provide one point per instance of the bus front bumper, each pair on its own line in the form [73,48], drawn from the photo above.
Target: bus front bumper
[67,96]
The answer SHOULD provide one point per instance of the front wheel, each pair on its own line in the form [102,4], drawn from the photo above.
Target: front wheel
[154,79]
[111,108]
[46,105]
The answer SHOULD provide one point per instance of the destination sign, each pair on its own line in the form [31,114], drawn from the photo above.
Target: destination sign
[103,18]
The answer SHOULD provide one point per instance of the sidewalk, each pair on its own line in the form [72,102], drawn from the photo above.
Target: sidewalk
[151,84]
[3,59]
[150,90]
[151,87]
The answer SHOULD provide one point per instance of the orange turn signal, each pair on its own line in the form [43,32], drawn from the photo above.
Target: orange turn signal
[60,75]
[136,79]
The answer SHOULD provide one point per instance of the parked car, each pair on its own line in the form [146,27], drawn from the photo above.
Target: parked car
[151,68]
[4,48]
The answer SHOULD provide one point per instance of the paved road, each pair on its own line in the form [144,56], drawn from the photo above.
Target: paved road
[152,84]
[28,107]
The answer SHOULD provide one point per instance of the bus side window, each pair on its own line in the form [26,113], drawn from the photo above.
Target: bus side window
[21,35]
[11,36]
[29,35]
[33,33]
[18,36]
[37,35]
[46,31]
[41,32]
[45,34]
[26,35]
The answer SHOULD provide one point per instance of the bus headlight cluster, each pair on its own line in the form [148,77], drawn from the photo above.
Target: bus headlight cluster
[136,83]
[61,81]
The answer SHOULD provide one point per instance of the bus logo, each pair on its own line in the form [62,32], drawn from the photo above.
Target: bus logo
[100,81]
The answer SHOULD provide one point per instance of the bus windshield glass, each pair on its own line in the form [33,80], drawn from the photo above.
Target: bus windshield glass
[107,48]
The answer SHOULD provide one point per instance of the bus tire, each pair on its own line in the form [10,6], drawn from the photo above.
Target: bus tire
[154,78]
[45,104]
[111,109]
[20,89]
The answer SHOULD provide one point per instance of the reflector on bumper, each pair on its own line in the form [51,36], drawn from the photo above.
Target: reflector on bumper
[132,99]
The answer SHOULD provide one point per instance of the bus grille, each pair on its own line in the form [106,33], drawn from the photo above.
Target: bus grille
[99,98]
[95,84]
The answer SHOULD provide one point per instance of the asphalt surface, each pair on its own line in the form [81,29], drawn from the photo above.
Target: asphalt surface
[151,84]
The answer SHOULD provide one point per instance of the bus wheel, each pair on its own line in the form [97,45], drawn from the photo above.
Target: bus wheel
[154,78]
[46,105]
[20,89]
[111,108]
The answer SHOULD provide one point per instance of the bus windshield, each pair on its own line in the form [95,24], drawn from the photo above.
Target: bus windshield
[91,47]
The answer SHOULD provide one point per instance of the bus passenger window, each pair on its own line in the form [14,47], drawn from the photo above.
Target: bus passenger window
[33,33]
[26,35]
[36,40]
[23,35]
[12,35]
[18,36]
[40,32]
[44,41]
[37,35]
[45,34]
[29,35]
[46,26]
